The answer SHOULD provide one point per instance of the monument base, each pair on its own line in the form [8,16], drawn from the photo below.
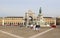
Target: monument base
[44,25]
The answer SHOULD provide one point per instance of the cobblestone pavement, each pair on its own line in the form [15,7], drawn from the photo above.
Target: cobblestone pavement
[55,33]
[27,32]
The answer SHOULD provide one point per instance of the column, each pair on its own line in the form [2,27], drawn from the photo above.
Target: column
[3,21]
[27,20]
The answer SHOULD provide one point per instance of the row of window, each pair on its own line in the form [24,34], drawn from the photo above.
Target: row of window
[13,23]
[13,18]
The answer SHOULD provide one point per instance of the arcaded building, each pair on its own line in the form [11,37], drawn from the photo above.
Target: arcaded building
[13,21]
[49,20]
[1,21]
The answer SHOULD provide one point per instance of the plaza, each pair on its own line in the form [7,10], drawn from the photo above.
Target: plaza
[23,32]
[29,18]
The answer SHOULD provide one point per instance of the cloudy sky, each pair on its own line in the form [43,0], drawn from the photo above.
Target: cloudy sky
[19,7]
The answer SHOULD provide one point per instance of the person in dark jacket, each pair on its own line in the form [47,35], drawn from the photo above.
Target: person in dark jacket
[37,27]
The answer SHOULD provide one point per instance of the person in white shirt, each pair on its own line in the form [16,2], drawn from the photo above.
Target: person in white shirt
[31,26]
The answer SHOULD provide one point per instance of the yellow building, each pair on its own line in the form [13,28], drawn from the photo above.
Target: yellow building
[50,20]
[13,20]
[16,20]
[1,21]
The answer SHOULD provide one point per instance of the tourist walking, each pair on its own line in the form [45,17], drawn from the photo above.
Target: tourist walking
[34,27]
[37,27]
[31,26]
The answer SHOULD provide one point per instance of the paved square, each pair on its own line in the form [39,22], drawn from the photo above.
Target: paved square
[16,31]
[55,33]
[2,35]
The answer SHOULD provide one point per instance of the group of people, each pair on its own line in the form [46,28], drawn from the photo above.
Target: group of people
[35,27]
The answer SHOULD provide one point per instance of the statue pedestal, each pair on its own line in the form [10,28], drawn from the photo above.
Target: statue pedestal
[42,23]
[45,25]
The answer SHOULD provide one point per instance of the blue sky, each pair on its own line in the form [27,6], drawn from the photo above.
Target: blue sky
[19,7]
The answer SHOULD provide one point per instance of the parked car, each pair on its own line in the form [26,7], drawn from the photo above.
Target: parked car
[53,26]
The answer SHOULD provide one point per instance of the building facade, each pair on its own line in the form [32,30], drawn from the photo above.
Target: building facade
[12,21]
[50,20]
[1,21]
[58,21]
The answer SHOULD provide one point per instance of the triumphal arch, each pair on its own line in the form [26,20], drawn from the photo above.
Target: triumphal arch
[30,18]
